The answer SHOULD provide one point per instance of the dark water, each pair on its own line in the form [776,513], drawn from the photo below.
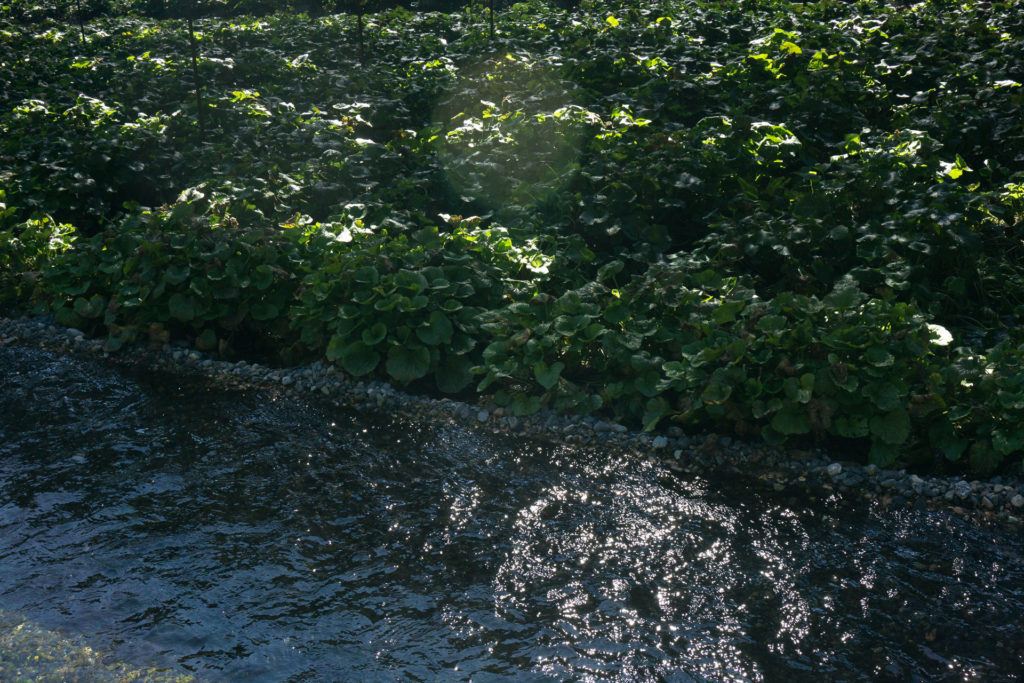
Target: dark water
[246,537]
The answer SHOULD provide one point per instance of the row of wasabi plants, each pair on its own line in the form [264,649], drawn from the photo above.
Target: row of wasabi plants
[795,221]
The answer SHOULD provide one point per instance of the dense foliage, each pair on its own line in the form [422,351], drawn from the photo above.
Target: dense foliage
[794,220]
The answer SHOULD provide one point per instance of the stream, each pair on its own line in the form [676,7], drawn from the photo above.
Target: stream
[242,535]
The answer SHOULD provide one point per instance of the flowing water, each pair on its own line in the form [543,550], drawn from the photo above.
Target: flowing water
[245,536]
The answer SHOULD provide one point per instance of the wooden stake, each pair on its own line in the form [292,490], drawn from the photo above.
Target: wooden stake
[200,118]
[359,33]
[81,23]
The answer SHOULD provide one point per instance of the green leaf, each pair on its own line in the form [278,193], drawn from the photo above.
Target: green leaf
[414,304]
[790,48]
[655,409]
[843,298]
[547,375]
[91,307]
[942,436]
[983,458]
[791,420]
[358,359]
[207,340]
[367,275]
[1007,441]
[375,334]
[609,270]
[410,280]
[717,392]
[523,405]
[727,311]
[264,310]
[852,427]
[885,396]
[182,307]
[882,454]
[334,347]
[407,363]
[892,428]
[568,325]
[176,273]
[772,324]
[454,375]
[436,331]
[262,277]
[878,357]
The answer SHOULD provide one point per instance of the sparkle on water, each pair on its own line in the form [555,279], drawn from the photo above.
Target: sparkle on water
[241,535]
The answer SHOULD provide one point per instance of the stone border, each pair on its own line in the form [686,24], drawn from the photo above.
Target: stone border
[810,472]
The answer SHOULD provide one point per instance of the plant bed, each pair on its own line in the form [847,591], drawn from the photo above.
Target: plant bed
[786,222]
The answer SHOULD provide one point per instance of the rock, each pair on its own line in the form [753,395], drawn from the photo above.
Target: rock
[871,470]
[855,480]
[660,442]
[1017,501]
[961,489]
[483,416]
[834,470]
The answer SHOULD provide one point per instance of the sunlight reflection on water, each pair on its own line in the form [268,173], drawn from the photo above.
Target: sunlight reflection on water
[247,535]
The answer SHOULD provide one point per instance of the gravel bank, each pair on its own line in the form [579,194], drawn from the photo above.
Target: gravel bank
[796,471]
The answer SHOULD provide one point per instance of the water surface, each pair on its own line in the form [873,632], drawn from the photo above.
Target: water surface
[240,535]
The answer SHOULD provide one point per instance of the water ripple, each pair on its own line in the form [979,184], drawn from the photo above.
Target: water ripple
[246,536]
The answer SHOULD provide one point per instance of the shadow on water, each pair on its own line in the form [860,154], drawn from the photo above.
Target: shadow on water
[241,535]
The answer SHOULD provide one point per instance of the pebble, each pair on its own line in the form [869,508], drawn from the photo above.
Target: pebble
[724,453]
